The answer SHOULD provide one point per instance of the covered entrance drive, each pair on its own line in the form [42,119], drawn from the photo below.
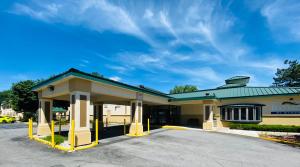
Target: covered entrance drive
[86,94]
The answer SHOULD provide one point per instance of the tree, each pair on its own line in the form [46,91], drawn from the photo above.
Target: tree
[23,98]
[183,89]
[288,76]
[5,98]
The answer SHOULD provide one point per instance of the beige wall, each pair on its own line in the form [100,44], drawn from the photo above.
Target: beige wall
[77,84]
[273,103]
[191,111]
[117,119]
[281,120]
[59,89]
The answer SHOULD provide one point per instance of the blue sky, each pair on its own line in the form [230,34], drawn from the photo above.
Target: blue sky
[158,44]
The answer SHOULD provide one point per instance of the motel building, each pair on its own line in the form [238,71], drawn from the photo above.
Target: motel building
[208,109]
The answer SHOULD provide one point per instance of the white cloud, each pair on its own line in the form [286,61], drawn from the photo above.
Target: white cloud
[47,11]
[205,28]
[85,61]
[115,78]
[97,15]
[283,19]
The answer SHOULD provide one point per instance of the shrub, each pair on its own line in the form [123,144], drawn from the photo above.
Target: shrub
[58,139]
[63,122]
[27,115]
[274,128]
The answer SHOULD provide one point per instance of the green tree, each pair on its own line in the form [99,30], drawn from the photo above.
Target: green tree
[5,97]
[183,89]
[23,98]
[289,76]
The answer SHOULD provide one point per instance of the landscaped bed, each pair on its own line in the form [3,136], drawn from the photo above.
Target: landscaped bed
[286,139]
[58,139]
[272,128]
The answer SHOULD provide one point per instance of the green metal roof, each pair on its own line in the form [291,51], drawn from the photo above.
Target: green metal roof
[238,77]
[232,90]
[80,74]
[238,92]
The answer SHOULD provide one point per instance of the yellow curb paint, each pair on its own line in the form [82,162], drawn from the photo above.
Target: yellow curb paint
[140,135]
[278,140]
[174,127]
[50,144]
[86,147]
[62,148]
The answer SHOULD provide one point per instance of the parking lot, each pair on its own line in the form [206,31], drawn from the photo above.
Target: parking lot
[162,148]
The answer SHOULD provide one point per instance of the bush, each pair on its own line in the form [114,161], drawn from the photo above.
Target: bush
[63,122]
[27,115]
[274,128]
[58,139]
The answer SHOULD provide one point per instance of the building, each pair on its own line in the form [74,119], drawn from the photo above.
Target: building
[7,110]
[116,113]
[207,109]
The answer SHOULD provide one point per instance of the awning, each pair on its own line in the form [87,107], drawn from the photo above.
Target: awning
[58,110]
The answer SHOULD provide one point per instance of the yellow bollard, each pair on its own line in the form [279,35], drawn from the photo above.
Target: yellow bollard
[96,138]
[148,126]
[31,127]
[72,135]
[124,126]
[52,134]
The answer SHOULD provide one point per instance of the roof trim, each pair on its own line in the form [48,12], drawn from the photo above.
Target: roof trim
[80,74]
[193,98]
[242,105]
[226,98]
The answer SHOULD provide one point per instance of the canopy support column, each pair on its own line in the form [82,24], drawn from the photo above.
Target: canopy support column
[44,117]
[80,106]
[136,127]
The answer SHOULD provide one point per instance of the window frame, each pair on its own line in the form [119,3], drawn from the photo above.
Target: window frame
[256,110]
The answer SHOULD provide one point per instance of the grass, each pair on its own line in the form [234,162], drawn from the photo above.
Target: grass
[58,139]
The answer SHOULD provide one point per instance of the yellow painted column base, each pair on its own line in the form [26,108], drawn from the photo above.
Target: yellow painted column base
[207,126]
[44,130]
[82,137]
[136,131]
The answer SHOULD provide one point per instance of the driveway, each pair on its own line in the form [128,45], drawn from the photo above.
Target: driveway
[161,148]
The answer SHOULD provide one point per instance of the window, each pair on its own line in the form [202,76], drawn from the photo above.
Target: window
[223,110]
[229,112]
[250,113]
[241,112]
[236,114]
[258,113]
